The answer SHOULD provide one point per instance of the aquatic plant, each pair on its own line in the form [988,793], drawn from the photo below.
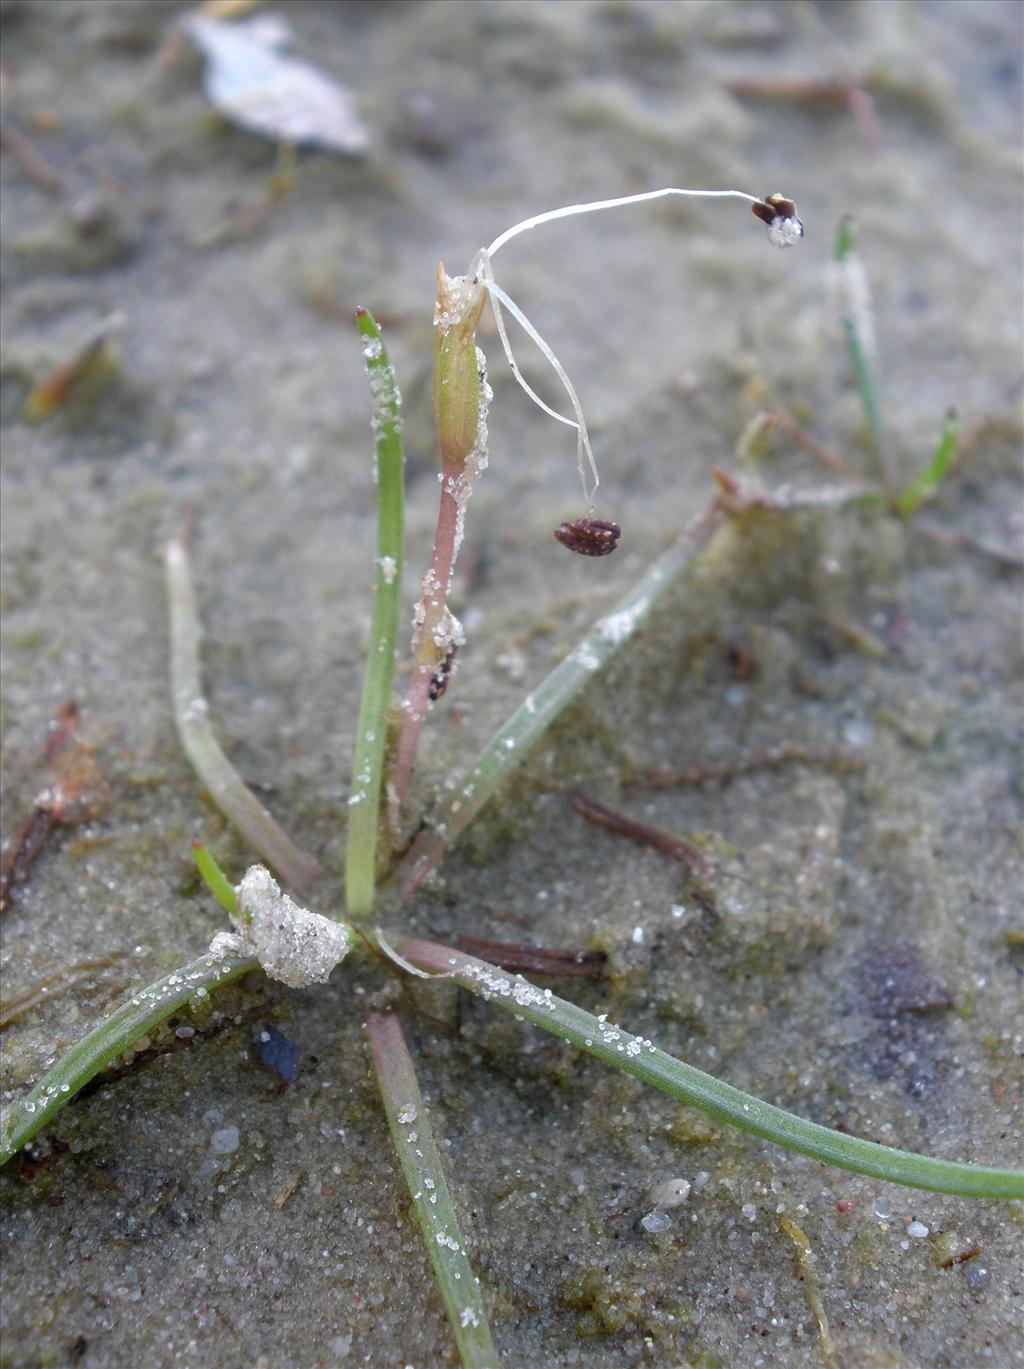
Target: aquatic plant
[297,946]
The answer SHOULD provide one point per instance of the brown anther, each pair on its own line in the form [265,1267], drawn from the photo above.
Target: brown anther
[441,676]
[774,207]
[589,536]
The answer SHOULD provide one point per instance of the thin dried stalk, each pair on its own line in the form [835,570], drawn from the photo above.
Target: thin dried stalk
[191,713]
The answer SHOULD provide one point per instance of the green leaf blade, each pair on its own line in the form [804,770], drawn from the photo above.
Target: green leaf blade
[372,727]
[642,1059]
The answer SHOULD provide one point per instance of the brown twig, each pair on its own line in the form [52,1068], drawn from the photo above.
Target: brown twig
[970,1251]
[245,219]
[16,1007]
[721,771]
[841,94]
[666,842]
[75,793]
[782,418]
[508,955]
[23,847]
[34,165]
[92,365]
[959,541]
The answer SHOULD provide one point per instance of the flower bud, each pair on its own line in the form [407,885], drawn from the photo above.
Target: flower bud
[456,388]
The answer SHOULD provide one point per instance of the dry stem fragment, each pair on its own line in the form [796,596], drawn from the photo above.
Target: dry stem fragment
[721,771]
[666,842]
[533,959]
[76,793]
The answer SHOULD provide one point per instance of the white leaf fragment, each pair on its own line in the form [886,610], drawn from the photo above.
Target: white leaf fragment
[261,89]
[292,944]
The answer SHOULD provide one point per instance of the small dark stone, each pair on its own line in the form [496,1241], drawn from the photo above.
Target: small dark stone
[977,1277]
[899,982]
[274,1050]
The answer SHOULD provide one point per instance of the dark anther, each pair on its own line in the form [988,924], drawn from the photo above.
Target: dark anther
[589,536]
[773,208]
[441,676]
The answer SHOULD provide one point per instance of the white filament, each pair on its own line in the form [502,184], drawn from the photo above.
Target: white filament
[585,463]
[783,233]
[594,205]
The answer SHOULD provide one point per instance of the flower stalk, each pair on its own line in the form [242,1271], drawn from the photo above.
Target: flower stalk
[461,396]
[460,399]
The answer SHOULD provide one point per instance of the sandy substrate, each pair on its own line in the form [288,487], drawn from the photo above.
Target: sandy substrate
[855,967]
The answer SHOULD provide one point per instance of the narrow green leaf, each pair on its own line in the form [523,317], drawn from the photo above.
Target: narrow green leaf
[147,1008]
[858,326]
[420,1160]
[642,1059]
[214,878]
[922,486]
[371,731]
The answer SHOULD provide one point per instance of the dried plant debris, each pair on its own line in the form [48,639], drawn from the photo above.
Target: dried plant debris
[807,1273]
[949,1248]
[752,442]
[51,986]
[259,88]
[688,855]
[519,958]
[83,377]
[76,793]
[721,771]
[33,163]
